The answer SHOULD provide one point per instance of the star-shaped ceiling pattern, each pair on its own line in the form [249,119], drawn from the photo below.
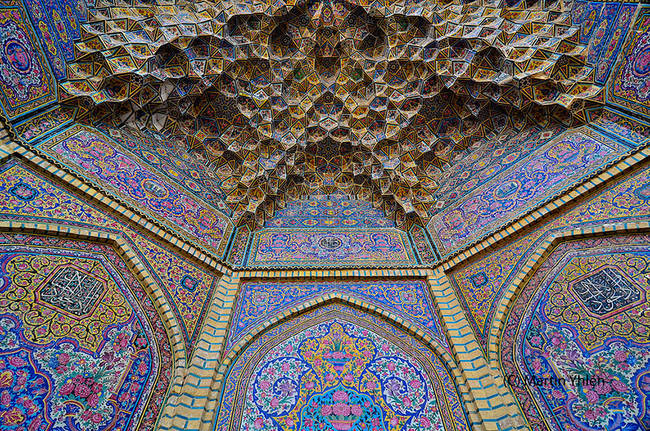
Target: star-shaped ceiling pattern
[287,98]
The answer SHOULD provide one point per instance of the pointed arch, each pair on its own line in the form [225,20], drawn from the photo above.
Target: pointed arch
[274,328]
[530,267]
[173,343]
[548,325]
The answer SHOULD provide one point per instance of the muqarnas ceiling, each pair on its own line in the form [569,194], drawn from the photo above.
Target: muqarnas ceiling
[289,99]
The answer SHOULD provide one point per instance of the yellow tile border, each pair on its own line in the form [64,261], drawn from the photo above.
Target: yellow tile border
[197,386]
[139,271]
[493,407]
[189,396]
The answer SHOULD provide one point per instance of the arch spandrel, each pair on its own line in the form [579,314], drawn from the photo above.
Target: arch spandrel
[338,351]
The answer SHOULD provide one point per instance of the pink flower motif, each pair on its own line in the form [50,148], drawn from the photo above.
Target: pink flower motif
[619,386]
[592,396]
[425,422]
[16,361]
[5,398]
[326,410]
[349,378]
[67,388]
[265,385]
[309,385]
[391,366]
[275,403]
[370,385]
[406,401]
[259,423]
[64,358]
[415,384]
[285,367]
[340,396]
[82,391]
[329,377]
[620,356]
[356,410]
[341,409]
[394,421]
[96,418]
[603,388]
[93,400]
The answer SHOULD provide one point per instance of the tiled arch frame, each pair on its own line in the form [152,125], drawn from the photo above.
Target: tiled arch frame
[543,251]
[352,302]
[487,406]
[139,271]
[535,261]
[139,222]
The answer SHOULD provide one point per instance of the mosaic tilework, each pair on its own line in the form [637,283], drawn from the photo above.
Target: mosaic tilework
[189,170]
[630,85]
[557,165]
[59,19]
[485,160]
[49,37]
[329,211]
[481,284]
[422,244]
[583,315]
[340,247]
[239,246]
[66,8]
[37,126]
[621,126]
[342,368]
[189,287]
[95,156]
[104,368]
[603,27]
[258,301]
[370,99]
[28,196]
[26,81]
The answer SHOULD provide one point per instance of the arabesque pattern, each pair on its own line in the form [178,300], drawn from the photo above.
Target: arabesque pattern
[342,369]
[107,369]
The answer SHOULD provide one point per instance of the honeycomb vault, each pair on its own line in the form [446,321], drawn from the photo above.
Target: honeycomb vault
[374,99]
